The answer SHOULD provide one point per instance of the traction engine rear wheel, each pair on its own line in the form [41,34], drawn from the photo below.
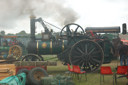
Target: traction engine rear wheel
[87,54]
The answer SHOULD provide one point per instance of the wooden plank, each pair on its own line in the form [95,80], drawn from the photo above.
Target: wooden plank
[7,70]
[3,70]
[5,74]
[35,63]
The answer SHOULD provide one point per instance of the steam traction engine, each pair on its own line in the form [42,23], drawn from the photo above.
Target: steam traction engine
[73,46]
[10,47]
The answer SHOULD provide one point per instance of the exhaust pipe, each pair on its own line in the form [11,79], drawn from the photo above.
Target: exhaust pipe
[124,28]
[32,26]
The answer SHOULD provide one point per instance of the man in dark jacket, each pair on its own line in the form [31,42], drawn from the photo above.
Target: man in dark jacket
[123,53]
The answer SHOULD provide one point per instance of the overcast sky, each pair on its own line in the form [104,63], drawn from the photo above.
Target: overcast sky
[14,14]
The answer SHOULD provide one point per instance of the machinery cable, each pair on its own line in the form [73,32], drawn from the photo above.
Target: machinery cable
[52,25]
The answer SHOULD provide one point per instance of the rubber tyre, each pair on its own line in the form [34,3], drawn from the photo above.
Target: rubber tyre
[26,71]
[35,75]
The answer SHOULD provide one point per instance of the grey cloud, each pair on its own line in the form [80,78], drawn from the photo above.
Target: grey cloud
[14,10]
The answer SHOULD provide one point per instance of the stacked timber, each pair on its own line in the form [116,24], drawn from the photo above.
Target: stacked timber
[7,70]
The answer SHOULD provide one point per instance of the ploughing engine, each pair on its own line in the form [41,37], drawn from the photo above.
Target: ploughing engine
[74,45]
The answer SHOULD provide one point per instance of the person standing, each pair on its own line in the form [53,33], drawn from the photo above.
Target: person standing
[122,53]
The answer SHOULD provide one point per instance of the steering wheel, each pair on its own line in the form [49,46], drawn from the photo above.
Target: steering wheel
[71,30]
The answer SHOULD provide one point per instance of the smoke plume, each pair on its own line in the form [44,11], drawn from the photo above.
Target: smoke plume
[13,10]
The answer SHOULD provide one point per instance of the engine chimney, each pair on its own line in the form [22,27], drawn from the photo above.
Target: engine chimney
[32,26]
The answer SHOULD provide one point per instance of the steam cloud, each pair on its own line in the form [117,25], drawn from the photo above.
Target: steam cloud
[13,10]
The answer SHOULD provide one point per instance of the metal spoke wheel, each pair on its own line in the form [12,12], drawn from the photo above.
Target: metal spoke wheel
[15,51]
[31,57]
[87,54]
[71,30]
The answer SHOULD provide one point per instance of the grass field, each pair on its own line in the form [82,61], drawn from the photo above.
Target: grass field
[92,78]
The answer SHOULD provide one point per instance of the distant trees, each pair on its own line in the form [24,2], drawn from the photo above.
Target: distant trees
[2,33]
[22,33]
[10,34]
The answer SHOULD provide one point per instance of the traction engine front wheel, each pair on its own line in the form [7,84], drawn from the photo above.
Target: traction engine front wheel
[15,51]
[31,57]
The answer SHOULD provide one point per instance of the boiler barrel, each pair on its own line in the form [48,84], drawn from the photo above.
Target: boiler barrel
[48,47]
